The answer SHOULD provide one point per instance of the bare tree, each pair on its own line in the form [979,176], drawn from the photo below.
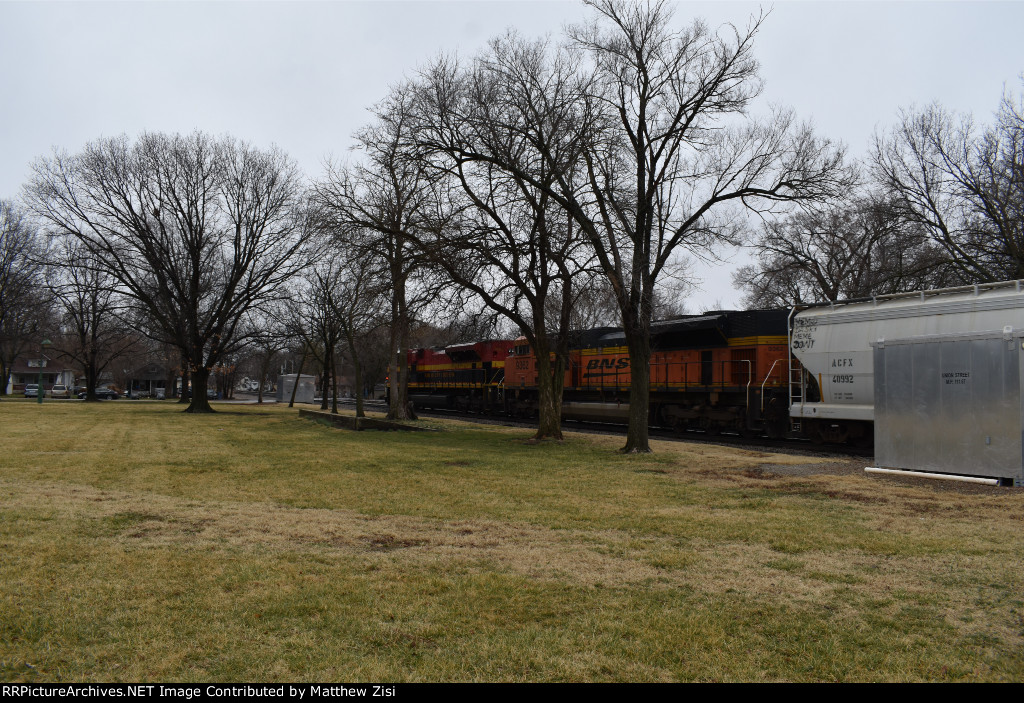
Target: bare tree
[670,159]
[374,357]
[963,185]
[380,202]
[313,306]
[506,240]
[670,154]
[358,301]
[460,319]
[337,302]
[195,230]
[268,338]
[846,249]
[87,305]
[23,298]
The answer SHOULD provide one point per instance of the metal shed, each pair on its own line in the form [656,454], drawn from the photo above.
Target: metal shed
[305,393]
[951,403]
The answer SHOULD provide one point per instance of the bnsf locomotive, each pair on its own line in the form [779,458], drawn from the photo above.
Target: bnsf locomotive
[717,371]
[807,370]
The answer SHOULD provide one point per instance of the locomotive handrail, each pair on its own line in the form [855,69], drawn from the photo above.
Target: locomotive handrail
[750,377]
[765,382]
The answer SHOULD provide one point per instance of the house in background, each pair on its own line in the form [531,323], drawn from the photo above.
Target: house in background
[151,380]
[26,370]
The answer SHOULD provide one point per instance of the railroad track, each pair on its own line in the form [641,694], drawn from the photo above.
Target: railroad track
[801,447]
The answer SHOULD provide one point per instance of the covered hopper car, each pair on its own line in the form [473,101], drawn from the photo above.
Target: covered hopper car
[833,381]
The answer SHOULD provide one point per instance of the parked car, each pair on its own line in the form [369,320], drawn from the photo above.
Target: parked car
[32,390]
[59,390]
[211,394]
[103,394]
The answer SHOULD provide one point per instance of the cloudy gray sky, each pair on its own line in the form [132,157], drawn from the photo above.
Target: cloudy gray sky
[302,74]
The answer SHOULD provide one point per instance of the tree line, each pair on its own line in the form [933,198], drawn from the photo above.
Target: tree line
[540,187]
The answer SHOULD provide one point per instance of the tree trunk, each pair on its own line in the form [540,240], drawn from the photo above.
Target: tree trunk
[358,369]
[200,382]
[358,386]
[325,381]
[334,384]
[639,392]
[264,369]
[399,406]
[550,379]
[90,380]
[295,386]
[186,377]
[169,382]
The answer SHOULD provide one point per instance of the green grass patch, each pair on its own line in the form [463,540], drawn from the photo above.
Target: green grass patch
[142,544]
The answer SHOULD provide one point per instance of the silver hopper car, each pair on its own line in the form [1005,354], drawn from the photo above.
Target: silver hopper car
[832,390]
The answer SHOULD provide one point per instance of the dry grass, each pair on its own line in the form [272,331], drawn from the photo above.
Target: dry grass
[142,544]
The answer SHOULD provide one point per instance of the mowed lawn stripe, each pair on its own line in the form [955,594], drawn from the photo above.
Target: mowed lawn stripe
[145,544]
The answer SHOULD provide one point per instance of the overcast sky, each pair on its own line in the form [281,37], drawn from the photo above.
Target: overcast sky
[302,74]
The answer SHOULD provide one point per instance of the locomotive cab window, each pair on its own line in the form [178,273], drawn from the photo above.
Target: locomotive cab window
[523,350]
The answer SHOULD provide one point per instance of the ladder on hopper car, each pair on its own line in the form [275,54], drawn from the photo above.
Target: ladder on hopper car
[797,388]
[796,377]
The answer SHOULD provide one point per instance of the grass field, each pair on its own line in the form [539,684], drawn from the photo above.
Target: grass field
[140,543]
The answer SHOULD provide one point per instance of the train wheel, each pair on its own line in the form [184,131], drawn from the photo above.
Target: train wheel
[710,427]
[863,442]
[838,433]
[776,429]
[812,431]
[776,418]
[830,433]
[862,435]
[742,430]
